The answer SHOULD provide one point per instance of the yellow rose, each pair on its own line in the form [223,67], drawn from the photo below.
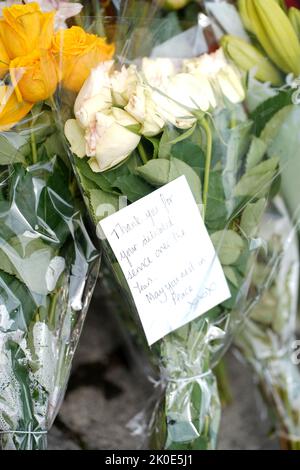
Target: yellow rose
[11,110]
[25,28]
[34,76]
[4,60]
[78,53]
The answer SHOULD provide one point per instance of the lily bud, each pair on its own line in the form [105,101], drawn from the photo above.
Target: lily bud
[243,10]
[248,57]
[294,16]
[275,33]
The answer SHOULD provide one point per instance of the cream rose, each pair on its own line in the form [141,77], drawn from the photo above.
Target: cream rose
[183,96]
[223,77]
[109,141]
[158,71]
[142,107]
[95,95]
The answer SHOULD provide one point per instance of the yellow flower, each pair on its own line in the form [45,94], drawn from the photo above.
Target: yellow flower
[34,76]
[248,57]
[78,53]
[11,110]
[25,28]
[4,60]
[275,33]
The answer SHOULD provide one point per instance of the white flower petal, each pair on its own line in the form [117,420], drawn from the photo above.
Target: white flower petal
[76,137]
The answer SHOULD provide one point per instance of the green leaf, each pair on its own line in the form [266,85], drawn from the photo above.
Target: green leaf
[282,137]
[85,170]
[154,142]
[232,276]
[171,137]
[18,300]
[190,153]
[238,142]
[23,195]
[216,210]
[133,187]
[54,147]
[165,146]
[256,152]
[229,246]
[10,148]
[102,204]
[28,261]
[161,171]
[273,127]
[251,217]
[265,111]
[257,181]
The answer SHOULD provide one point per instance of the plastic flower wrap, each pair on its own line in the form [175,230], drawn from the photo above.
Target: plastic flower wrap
[137,127]
[48,269]
[266,49]
[48,263]
[267,340]
[63,10]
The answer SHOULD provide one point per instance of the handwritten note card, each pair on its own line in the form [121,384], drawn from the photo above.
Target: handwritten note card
[168,259]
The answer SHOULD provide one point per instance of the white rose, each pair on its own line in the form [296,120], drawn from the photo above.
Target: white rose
[157,71]
[123,84]
[184,95]
[76,137]
[230,84]
[220,73]
[109,141]
[142,107]
[95,95]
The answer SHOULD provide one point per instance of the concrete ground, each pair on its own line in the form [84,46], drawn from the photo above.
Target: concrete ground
[104,394]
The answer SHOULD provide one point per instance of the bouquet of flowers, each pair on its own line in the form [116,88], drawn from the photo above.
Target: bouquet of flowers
[266,48]
[268,336]
[137,127]
[48,263]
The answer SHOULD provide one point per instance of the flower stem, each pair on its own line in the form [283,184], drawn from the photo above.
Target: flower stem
[143,154]
[208,133]
[52,309]
[33,147]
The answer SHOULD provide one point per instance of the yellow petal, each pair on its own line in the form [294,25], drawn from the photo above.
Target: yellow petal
[11,110]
